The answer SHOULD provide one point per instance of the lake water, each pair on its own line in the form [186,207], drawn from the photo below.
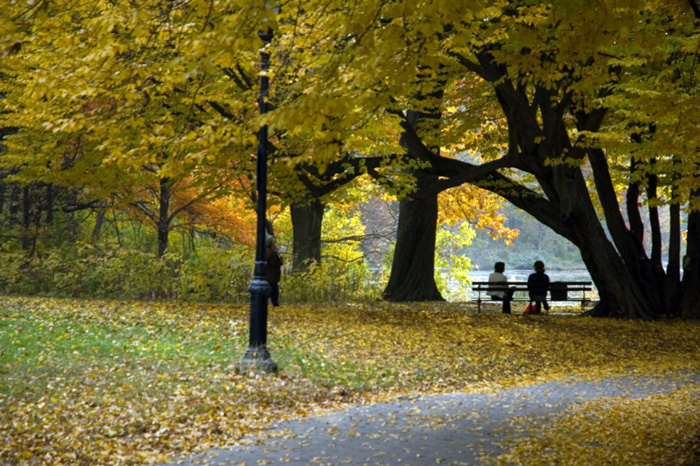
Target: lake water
[572,275]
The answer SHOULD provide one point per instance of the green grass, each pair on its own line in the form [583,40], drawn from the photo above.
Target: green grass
[46,351]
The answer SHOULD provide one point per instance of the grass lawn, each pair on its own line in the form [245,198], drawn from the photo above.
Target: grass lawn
[111,383]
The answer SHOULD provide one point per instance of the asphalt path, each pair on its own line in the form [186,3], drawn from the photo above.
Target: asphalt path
[447,429]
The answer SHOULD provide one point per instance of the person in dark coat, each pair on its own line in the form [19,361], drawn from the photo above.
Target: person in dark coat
[274,264]
[537,287]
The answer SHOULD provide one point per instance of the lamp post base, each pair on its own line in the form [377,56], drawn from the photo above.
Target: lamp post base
[256,359]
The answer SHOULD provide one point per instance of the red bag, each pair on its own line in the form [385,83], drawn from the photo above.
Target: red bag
[530,309]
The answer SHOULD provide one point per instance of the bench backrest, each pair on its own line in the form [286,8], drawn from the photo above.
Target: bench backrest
[571,286]
[559,291]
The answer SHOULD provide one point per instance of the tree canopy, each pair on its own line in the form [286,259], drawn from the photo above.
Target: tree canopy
[596,99]
[577,112]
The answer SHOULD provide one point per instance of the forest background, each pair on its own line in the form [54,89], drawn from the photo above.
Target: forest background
[129,134]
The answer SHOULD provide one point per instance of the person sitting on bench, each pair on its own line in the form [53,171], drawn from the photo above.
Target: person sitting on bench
[537,287]
[498,287]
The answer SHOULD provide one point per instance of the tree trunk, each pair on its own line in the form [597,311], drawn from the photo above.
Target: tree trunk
[3,190]
[689,306]
[412,275]
[620,295]
[307,224]
[628,242]
[28,239]
[413,268]
[49,204]
[654,223]
[13,209]
[97,229]
[163,223]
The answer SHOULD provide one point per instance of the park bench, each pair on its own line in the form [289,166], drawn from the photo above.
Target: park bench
[558,291]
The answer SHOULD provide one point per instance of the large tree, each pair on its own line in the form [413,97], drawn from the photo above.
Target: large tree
[358,108]
[560,99]
[132,103]
[566,77]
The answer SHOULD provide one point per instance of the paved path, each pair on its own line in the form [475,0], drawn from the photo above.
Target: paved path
[449,429]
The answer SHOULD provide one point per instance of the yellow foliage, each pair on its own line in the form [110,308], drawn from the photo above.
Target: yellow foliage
[477,206]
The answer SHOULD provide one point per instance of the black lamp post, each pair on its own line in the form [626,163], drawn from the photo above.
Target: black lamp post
[257,357]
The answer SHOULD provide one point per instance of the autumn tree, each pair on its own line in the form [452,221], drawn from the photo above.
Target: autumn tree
[337,114]
[558,91]
[593,103]
[566,77]
[132,102]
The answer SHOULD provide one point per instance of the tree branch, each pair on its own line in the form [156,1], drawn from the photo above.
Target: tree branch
[241,81]
[470,173]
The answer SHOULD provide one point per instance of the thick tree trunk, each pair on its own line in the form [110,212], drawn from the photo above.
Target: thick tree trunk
[649,279]
[689,305]
[412,275]
[163,223]
[307,224]
[620,294]
[413,269]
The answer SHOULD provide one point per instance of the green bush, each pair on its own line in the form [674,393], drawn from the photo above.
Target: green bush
[329,282]
[210,273]
[216,274]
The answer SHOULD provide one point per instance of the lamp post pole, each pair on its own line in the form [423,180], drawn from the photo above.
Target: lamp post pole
[257,357]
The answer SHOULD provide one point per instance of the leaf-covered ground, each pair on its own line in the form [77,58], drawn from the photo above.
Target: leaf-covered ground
[660,429]
[98,382]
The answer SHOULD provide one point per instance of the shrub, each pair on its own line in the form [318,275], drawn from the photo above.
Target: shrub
[330,281]
[210,273]
[216,274]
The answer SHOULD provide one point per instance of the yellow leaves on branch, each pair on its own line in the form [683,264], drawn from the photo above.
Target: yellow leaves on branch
[477,206]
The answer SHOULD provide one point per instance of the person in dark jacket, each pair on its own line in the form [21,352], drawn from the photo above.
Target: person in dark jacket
[274,264]
[537,287]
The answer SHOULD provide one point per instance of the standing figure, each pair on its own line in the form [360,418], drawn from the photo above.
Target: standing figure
[274,264]
[498,287]
[537,287]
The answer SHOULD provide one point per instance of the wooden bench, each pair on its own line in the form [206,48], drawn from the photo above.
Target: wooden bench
[558,291]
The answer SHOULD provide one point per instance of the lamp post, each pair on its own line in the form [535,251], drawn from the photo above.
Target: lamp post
[257,357]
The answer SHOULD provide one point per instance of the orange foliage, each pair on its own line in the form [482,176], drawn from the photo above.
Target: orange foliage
[231,216]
